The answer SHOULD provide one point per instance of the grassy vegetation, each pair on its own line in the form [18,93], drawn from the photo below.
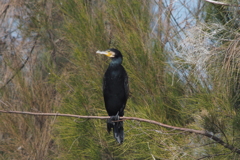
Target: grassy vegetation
[87,29]
[64,75]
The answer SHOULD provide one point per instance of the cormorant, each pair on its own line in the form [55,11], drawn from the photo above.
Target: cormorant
[115,92]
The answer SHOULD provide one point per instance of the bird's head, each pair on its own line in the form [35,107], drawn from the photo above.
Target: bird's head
[112,53]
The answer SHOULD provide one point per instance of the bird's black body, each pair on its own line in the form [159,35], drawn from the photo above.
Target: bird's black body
[115,89]
[115,92]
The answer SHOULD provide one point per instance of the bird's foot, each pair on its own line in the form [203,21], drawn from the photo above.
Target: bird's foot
[113,119]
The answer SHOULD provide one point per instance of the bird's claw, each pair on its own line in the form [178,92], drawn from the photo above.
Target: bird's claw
[113,119]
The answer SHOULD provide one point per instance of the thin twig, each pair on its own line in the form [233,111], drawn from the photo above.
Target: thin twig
[210,156]
[21,67]
[204,133]
[5,9]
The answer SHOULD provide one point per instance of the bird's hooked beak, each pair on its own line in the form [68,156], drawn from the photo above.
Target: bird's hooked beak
[107,53]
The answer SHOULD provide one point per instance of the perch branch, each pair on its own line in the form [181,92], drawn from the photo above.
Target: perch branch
[204,133]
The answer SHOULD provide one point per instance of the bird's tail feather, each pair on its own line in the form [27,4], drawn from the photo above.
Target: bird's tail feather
[118,131]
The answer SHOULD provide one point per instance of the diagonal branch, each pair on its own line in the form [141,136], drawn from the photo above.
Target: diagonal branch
[5,9]
[204,133]
[21,67]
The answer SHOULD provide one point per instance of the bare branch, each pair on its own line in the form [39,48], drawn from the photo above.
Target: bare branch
[5,9]
[221,3]
[22,66]
[204,133]
[215,155]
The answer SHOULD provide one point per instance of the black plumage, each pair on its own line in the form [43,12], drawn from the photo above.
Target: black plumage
[115,92]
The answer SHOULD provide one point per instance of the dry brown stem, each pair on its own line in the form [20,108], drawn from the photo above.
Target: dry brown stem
[204,133]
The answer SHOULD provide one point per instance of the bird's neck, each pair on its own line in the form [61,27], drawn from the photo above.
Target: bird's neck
[116,62]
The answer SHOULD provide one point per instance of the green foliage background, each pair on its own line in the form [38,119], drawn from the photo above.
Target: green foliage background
[86,29]
[67,78]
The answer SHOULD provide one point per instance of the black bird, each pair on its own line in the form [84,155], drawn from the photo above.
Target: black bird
[115,92]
